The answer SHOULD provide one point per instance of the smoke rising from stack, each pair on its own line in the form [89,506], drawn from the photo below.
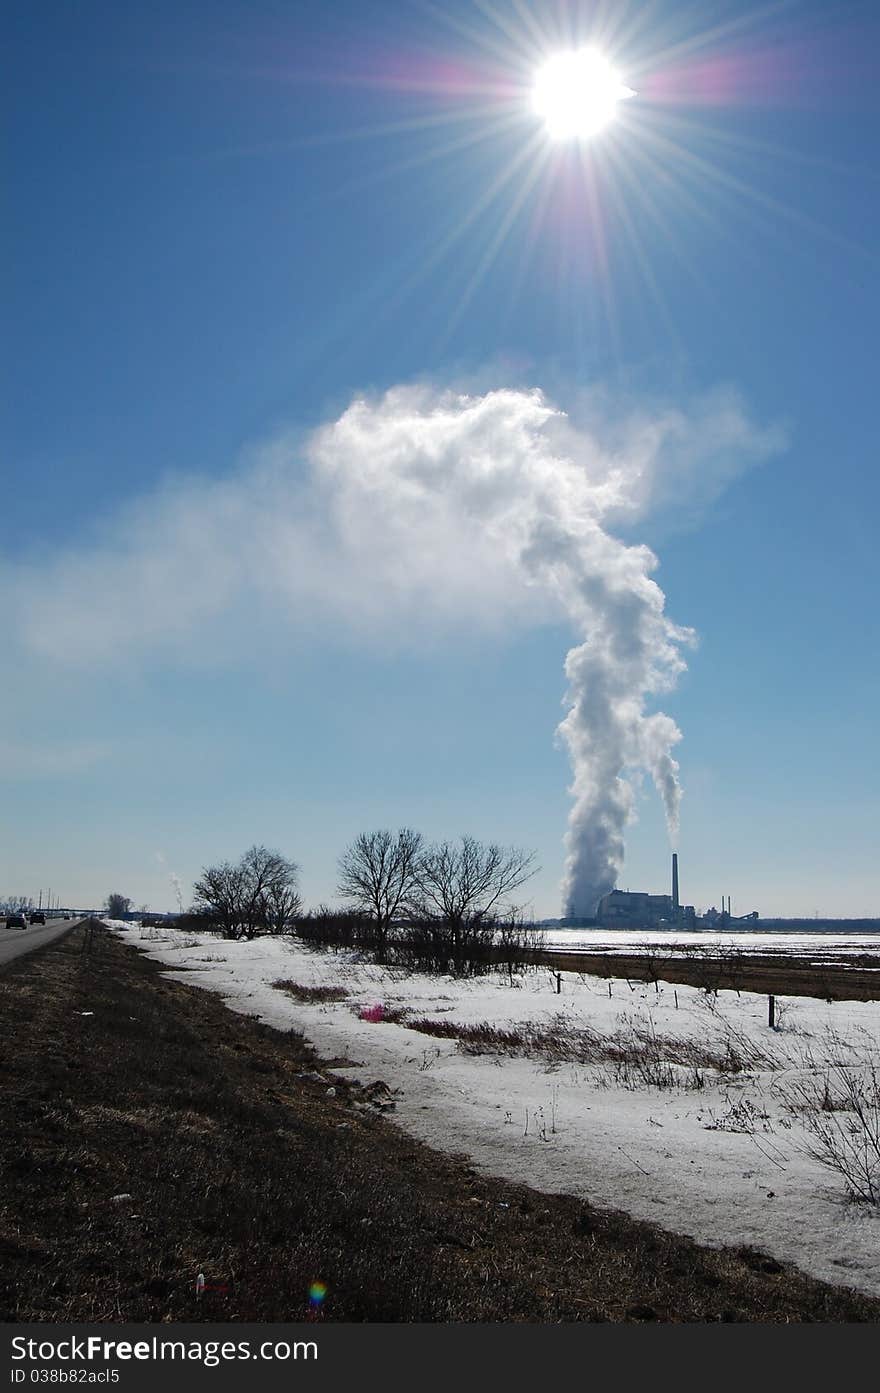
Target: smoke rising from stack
[424,514]
[522,486]
[630,650]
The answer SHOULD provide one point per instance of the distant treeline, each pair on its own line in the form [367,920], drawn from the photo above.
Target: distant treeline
[819,925]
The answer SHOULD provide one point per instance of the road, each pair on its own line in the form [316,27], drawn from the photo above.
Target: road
[14,943]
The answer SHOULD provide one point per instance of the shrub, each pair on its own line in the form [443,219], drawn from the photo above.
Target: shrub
[842,1121]
[430,944]
[299,992]
[335,928]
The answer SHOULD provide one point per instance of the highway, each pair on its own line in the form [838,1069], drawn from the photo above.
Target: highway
[14,943]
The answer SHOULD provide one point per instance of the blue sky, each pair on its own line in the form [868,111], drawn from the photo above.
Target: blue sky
[227,222]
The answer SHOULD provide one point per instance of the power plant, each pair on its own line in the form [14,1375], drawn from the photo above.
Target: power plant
[633,909]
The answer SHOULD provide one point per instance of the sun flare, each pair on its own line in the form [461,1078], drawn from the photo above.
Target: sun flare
[577,94]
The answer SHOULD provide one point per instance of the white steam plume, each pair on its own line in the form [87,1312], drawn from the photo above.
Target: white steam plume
[433,511]
[178,890]
[524,486]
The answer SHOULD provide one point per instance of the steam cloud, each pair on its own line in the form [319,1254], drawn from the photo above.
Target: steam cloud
[178,890]
[433,509]
[523,485]
[540,501]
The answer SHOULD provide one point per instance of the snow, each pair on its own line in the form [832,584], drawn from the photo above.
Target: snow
[666,1154]
[789,941]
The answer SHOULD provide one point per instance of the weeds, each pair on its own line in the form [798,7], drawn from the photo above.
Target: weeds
[841,1116]
[636,1056]
[742,1115]
[395,1015]
[299,992]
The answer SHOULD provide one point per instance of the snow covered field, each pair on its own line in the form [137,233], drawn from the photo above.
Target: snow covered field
[624,1106]
[819,946]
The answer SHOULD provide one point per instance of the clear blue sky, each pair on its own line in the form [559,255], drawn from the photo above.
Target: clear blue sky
[225,221]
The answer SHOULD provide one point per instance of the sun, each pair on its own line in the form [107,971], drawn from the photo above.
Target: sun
[577,93]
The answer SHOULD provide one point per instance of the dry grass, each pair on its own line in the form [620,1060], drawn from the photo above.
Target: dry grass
[717,969]
[637,1056]
[841,1116]
[239,1164]
[299,992]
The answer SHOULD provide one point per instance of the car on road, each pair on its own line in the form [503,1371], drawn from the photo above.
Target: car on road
[16,921]
[38,917]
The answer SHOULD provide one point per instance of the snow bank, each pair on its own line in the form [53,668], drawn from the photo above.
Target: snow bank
[723,1162]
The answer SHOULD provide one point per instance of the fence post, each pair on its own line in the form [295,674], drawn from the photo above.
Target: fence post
[771,1012]
[558,983]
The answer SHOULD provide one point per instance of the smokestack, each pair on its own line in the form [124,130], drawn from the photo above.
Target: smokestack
[675,904]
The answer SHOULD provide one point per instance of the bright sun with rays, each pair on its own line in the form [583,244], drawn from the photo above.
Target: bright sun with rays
[578,93]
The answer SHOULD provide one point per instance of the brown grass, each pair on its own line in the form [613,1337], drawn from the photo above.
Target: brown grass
[630,1048]
[721,969]
[303,993]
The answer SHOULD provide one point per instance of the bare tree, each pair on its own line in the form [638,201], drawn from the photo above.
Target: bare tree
[377,874]
[270,888]
[258,895]
[17,904]
[463,887]
[469,880]
[217,897]
[117,906]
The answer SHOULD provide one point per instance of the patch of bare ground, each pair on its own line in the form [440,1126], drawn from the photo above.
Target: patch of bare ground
[151,1134]
[724,969]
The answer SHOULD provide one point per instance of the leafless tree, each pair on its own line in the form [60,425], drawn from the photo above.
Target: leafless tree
[258,895]
[116,905]
[377,875]
[273,900]
[463,887]
[468,880]
[17,904]
[217,895]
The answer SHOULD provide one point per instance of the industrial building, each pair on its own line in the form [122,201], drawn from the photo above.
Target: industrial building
[633,909]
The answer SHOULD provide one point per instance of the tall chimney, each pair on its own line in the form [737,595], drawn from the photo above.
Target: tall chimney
[675,904]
